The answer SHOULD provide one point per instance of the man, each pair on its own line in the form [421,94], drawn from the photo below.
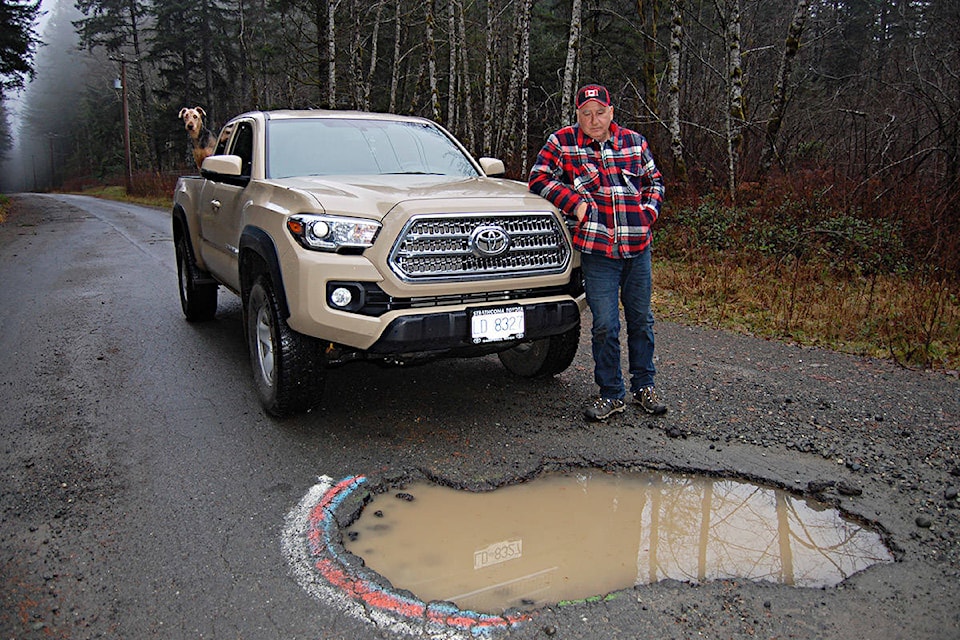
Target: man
[604,176]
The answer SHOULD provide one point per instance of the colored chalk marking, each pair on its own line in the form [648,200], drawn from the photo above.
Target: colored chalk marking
[321,567]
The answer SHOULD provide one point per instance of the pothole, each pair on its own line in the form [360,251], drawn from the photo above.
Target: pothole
[578,535]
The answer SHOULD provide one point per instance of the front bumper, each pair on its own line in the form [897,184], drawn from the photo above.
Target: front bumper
[443,332]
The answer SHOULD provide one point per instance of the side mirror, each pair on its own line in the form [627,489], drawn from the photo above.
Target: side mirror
[226,169]
[221,165]
[493,167]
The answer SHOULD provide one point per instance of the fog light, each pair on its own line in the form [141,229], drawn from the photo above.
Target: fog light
[341,297]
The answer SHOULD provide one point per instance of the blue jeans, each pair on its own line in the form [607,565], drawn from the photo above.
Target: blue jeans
[608,281]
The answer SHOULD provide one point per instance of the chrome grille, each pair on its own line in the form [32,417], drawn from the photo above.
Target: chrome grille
[446,247]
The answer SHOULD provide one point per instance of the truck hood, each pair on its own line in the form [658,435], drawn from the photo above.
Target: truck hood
[379,195]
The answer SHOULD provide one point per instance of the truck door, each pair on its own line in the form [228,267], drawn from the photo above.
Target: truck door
[220,210]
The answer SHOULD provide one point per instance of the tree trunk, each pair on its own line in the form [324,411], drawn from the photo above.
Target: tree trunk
[517,89]
[145,110]
[356,57]
[778,103]
[206,53]
[452,65]
[525,89]
[673,89]
[246,95]
[397,56]
[487,121]
[374,37]
[465,83]
[573,53]
[649,67]
[735,111]
[332,53]
[432,64]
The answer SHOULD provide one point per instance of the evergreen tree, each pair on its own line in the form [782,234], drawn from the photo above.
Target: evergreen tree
[18,42]
[194,49]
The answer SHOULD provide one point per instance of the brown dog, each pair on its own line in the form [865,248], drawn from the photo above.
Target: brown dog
[200,137]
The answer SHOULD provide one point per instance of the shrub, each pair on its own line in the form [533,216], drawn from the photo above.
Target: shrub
[797,262]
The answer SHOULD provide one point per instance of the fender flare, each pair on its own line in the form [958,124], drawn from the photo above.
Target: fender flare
[181,229]
[256,241]
[178,220]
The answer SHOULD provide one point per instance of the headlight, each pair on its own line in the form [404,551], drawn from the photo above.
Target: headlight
[331,233]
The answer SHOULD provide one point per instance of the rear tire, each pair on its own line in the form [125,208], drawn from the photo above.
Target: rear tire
[198,301]
[544,357]
[287,366]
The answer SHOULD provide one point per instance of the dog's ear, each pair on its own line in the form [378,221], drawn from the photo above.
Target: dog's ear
[182,111]
[201,112]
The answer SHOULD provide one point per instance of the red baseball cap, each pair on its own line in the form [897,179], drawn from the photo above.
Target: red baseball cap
[593,92]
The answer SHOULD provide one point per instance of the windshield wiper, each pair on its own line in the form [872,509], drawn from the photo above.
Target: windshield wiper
[413,173]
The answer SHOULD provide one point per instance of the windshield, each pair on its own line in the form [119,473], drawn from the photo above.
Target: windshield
[323,147]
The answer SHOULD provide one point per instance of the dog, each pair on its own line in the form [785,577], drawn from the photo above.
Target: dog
[200,137]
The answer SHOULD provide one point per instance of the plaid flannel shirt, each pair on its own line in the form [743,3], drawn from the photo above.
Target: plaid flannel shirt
[618,179]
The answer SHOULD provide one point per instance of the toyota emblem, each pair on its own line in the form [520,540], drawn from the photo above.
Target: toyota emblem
[489,241]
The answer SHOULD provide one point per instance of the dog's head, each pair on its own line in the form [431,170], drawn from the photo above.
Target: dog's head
[192,119]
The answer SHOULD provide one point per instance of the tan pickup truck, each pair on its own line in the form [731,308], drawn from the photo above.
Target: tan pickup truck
[354,236]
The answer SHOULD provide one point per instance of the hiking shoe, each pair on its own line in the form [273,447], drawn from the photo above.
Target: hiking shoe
[647,398]
[603,408]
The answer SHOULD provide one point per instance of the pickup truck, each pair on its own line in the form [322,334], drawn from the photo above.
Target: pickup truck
[358,236]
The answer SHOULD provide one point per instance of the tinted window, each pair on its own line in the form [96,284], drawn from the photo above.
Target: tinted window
[361,147]
[243,146]
[224,138]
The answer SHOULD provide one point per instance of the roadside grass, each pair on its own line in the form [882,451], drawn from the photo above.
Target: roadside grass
[907,319]
[4,207]
[118,192]
[808,261]
[783,266]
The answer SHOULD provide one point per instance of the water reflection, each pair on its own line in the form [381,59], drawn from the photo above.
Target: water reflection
[572,536]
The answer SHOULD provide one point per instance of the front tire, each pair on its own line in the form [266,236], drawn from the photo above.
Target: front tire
[198,301]
[544,357]
[287,366]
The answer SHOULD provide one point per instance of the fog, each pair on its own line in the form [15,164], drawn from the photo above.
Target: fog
[41,115]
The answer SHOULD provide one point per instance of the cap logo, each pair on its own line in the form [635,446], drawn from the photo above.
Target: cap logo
[592,92]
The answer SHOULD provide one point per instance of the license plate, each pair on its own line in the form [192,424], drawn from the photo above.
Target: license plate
[496,324]
[498,552]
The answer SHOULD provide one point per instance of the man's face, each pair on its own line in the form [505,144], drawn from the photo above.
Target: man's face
[595,118]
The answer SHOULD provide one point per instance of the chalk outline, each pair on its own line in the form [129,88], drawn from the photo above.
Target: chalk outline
[311,544]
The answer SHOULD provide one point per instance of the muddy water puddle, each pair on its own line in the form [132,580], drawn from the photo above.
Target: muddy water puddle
[573,536]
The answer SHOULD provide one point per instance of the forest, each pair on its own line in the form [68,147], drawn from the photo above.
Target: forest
[812,139]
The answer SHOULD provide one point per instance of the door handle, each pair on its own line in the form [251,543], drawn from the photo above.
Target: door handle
[215,204]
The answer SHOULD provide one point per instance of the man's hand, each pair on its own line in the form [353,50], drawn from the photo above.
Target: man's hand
[581,210]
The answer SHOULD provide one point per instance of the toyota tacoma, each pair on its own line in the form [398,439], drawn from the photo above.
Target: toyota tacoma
[358,236]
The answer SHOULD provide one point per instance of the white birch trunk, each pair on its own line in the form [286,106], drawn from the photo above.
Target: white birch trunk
[488,85]
[397,56]
[518,77]
[372,68]
[432,63]
[452,65]
[525,89]
[465,82]
[573,54]
[332,54]
[735,110]
[673,89]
